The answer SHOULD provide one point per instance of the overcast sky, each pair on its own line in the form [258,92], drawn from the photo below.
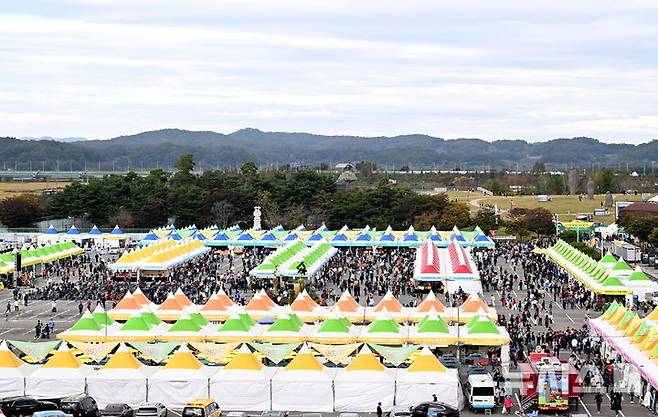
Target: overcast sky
[490,69]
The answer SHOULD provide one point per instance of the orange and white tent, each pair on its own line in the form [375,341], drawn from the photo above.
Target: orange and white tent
[473,306]
[140,298]
[364,383]
[426,376]
[218,307]
[182,298]
[261,306]
[125,307]
[349,308]
[171,309]
[123,376]
[390,304]
[303,385]
[243,384]
[12,373]
[429,303]
[306,308]
[61,376]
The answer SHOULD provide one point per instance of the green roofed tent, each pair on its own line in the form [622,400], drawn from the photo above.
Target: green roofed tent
[612,282]
[621,265]
[235,323]
[285,323]
[384,326]
[433,324]
[185,324]
[609,258]
[199,319]
[86,322]
[135,323]
[638,275]
[482,325]
[334,325]
[150,318]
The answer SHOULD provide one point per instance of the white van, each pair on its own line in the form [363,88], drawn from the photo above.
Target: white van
[480,392]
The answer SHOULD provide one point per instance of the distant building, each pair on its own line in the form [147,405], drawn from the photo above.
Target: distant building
[345,180]
[641,208]
[345,167]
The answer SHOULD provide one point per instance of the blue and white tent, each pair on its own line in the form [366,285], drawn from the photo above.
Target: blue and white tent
[149,239]
[198,236]
[291,236]
[174,236]
[482,240]
[220,239]
[116,230]
[95,231]
[73,231]
[51,230]
[457,235]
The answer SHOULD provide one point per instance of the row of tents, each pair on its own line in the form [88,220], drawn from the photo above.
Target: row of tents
[219,307]
[609,276]
[286,260]
[159,257]
[453,266]
[634,338]
[244,383]
[345,236]
[31,256]
[144,326]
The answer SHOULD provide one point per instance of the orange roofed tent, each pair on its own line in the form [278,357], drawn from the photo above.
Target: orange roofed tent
[303,303]
[182,298]
[390,303]
[170,304]
[128,302]
[140,298]
[473,304]
[431,302]
[347,304]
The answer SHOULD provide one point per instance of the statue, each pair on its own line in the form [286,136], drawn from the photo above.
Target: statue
[608,200]
[257,214]
[590,189]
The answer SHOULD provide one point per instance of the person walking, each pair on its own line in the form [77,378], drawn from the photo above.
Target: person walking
[37,329]
[615,403]
[598,397]
[507,403]
[80,308]
[8,310]
[379,409]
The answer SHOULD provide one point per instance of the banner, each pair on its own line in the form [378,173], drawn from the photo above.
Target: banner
[217,353]
[95,351]
[275,353]
[36,351]
[154,351]
[336,354]
[395,355]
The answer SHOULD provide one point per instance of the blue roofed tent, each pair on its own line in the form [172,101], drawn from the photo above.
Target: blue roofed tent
[95,231]
[291,236]
[170,227]
[174,236]
[73,231]
[198,236]
[51,230]
[315,237]
[245,237]
[269,237]
[457,235]
[116,230]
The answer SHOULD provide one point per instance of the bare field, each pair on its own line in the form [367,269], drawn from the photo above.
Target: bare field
[10,189]
[566,206]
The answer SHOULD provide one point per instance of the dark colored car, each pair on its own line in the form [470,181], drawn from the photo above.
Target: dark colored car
[434,409]
[80,405]
[118,410]
[477,370]
[25,406]
[449,361]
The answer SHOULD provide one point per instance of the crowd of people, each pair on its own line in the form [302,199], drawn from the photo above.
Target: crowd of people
[525,286]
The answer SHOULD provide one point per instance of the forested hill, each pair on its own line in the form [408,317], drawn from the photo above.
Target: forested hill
[215,150]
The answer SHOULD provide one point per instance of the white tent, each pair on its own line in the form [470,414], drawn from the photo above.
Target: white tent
[182,379]
[364,383]
[12,373]
[122,377]
[303,385]
[426,377]
[63,375]
[243,384]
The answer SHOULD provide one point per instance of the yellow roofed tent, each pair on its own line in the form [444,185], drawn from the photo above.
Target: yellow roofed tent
[426,362]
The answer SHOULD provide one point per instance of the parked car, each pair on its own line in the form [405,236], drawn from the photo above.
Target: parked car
[399,411]
[202,407]
[274,413]
[51,413]
[449,361]
[437,409]
[118,410]
[236,414]
[25,406]
[151,410]
[80,405]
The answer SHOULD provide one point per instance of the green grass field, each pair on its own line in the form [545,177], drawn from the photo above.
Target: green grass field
[566,206]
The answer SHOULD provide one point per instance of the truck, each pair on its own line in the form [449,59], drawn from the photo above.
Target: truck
[548,384]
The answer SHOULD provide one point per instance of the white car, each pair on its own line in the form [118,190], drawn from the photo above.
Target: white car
[398,411]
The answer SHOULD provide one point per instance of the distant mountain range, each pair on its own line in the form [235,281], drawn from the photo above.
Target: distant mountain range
[161,148]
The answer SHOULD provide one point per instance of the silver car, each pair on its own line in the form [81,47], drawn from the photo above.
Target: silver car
[151,410]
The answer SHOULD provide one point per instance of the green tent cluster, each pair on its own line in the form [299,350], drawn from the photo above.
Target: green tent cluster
[271,263]
[314,256]
[587,270]
[40,255]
